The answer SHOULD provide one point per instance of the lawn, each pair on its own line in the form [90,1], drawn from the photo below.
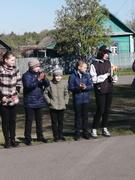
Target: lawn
[125,72]
[121,120]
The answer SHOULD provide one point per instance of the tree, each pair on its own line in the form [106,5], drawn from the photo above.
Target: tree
[131,22]
[80,27]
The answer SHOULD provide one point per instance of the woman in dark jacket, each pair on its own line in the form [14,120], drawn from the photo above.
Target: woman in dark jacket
[80,84]
[103,79]
[34,83]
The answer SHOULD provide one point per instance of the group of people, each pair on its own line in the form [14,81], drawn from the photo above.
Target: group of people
[37,90]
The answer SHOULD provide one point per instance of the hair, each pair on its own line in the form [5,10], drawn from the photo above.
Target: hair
[100,55]
[80,63]
[6,56]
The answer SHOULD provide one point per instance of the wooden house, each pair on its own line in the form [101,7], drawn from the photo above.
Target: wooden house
[122,36]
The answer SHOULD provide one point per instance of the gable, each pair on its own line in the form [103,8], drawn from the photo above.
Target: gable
[117,27]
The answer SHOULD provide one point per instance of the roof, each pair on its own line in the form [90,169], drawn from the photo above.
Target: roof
[4,46]
[46,42]
[127,30]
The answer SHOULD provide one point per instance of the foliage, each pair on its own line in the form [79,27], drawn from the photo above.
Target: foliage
[131,23]
[80,27]
[28,38]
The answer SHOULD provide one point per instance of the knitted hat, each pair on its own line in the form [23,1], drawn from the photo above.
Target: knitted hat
[33,62]
[57,71]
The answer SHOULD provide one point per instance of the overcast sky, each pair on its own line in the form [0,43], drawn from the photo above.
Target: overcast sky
[22,16]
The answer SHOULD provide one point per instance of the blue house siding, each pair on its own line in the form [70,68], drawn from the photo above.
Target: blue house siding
[113,24]
[123,43]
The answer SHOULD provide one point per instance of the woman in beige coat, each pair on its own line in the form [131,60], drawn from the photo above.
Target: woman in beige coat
[57,97]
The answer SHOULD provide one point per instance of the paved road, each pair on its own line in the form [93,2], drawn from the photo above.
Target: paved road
[125,79]
[105,159]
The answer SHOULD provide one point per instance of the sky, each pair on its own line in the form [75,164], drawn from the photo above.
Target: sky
[22,16]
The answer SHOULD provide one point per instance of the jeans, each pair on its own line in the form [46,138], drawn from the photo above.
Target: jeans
[8,114]
[57,117]
[30,113]
[103,102]
[81,117]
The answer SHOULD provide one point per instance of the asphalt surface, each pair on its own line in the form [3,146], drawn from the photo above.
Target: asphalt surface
[105,159]
[125,79]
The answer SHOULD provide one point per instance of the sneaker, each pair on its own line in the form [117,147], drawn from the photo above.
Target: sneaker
[7,145]
[77,137]
[105,132]
[28,142]
[94,133]
[56,139]
[42,140]
[62,138]
[86,135]
[14,144]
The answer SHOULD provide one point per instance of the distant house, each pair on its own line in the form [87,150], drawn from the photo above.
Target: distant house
[122,36]
[4,47]
[45,48]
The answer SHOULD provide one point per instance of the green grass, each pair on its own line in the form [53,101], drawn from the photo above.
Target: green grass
[125,72]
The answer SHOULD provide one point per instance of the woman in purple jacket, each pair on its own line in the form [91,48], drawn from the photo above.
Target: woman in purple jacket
[34,83]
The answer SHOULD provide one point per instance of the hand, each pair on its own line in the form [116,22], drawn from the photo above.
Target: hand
[42,76]
[108,74]
[83,86]
[115,78]
[4,99]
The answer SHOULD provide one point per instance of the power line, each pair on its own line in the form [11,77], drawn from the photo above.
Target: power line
[121,6]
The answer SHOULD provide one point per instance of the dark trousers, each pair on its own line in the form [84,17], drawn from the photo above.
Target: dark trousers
[103,102]
[8,114]
[81,117]
[57,118]
[30,113]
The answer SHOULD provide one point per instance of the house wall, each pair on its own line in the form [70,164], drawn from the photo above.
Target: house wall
[115,27]
[123,43]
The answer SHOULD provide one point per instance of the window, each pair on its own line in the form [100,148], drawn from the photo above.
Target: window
[114,48]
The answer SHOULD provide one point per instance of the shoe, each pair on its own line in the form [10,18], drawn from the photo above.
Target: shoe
[86,136]
[77,137]
[7,145]
[94,133]
[42,140]
[105,132]
[14,144]
[28,142]
[62,138]
[56,139]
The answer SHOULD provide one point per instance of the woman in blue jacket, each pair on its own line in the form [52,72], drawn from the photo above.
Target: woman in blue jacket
[34,83]
[80,84]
